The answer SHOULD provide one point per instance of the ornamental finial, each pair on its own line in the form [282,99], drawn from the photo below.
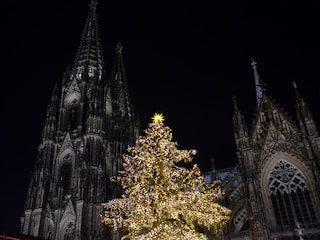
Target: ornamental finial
[119,48]
[294,84]
[253,63]
[257,80]
[93,3]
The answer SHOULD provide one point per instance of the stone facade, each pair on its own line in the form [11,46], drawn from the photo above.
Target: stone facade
[274,189]
[89,125]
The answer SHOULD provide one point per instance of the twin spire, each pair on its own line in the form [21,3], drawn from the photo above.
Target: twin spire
[89,58]
[89,62]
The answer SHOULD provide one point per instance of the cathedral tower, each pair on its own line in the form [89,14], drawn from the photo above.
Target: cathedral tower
[89,124]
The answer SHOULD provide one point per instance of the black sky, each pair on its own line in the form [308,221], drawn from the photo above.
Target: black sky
[185,59]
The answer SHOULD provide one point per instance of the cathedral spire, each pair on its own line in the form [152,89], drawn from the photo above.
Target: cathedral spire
[304,115]
[89,58]
[88,126]
[119,83]
[239,126]
[258,82]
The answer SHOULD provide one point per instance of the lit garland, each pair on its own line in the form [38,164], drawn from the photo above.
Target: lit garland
[162,200]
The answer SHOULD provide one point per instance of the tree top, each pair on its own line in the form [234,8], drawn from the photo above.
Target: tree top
[157,118]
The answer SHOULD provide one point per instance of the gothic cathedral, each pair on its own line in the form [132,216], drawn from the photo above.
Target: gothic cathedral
[89,124]
[274,190]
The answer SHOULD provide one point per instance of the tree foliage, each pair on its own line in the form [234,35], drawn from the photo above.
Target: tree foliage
[163,200]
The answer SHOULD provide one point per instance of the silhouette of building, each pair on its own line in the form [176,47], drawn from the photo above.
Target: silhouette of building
[89,124]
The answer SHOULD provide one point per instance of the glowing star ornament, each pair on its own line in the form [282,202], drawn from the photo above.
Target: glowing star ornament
[158,118]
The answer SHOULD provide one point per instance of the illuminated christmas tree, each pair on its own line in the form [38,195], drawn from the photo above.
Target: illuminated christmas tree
[163,200]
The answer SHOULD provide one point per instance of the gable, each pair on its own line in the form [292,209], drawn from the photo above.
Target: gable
[270,113]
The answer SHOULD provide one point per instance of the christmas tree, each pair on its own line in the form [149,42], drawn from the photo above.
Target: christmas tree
[163,200]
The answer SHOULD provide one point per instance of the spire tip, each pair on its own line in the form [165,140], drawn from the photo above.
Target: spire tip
[253,63]
[119,48]
[93,3]
[258,81]
[294,84]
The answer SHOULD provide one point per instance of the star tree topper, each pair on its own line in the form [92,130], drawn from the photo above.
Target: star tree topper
[158,118]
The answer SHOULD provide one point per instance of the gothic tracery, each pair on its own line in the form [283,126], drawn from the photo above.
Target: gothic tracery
[285,178]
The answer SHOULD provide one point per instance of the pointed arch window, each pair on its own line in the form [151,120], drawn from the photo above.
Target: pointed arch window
[240,220]
[290,197]
[49,234]
[79,72]
[73,119]
[65,174]
[69,232]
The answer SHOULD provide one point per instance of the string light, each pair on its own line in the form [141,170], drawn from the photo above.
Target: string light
[162,200]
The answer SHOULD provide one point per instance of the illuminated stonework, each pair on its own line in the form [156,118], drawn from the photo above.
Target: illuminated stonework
[285,178]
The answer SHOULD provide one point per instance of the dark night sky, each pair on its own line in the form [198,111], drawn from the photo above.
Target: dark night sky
[185,59]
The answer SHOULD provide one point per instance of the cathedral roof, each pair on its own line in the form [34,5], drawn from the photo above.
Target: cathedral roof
[268,112]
